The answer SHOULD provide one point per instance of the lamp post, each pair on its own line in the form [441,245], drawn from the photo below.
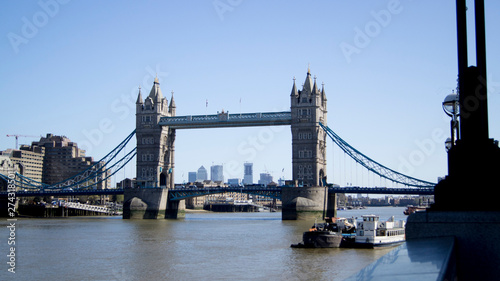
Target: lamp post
[448,144]
[473,158]
[450,107]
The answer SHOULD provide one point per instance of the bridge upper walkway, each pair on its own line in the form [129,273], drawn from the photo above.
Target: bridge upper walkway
[228,120]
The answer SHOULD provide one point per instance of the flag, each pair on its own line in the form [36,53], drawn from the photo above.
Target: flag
[207,104]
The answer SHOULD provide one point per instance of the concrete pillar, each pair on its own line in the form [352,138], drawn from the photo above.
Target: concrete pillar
[303,203]
[145,203]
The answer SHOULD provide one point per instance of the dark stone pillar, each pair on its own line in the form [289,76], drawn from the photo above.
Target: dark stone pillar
[302,203]
[144,203]
[331,208]
[175,209]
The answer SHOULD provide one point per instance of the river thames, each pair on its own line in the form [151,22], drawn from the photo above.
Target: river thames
[203,246]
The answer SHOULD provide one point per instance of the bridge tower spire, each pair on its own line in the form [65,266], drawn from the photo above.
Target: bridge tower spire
[308,108]
[155,144]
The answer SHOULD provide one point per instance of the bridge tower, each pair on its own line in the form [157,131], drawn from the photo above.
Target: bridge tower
[309,199]
[308,107]
[155,144]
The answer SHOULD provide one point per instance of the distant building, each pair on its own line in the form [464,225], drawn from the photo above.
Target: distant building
[192,177]
[217,173]
[197,202]
[51,160]
[126,183]
[234,182]
[7,168]
[30,161]
[265,178]
[248,173]
[202,174]
[281,182]
[63,159]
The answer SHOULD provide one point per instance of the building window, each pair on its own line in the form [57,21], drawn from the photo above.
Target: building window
[305,136]
[148,140]
[305,112]
[305,154]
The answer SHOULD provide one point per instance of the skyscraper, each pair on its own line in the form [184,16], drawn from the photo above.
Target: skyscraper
[248,173]
[265,178]
[202,174]
[217,173]
[192,176]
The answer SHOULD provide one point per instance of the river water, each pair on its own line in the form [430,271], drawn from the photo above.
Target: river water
[203,246]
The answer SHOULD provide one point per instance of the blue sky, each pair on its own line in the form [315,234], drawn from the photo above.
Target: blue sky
[73,68]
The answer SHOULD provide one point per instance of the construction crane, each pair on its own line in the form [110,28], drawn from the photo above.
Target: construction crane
[17,138]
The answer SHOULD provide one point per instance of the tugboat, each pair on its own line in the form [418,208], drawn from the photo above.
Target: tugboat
[322,235]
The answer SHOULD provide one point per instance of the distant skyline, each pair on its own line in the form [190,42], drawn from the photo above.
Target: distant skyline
[226,178]
[73,68]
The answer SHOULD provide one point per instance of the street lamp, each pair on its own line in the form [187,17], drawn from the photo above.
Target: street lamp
[447,144]
[450,107]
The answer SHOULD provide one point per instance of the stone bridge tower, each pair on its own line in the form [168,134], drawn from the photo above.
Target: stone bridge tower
[155,144]
[308,108]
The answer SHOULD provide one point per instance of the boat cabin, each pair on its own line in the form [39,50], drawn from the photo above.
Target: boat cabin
[372,226]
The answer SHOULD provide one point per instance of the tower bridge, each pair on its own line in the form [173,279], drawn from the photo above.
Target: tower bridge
[156,126]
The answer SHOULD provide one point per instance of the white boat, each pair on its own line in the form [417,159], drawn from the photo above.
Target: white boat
[372,232]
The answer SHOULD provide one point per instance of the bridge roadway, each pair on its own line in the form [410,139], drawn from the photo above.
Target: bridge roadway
[187,192]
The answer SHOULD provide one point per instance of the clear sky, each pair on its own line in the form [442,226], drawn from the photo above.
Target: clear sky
[73,68]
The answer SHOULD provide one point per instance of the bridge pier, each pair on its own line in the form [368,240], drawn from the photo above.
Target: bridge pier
[151,203]
[175,209]
[304,203]
[144,203]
